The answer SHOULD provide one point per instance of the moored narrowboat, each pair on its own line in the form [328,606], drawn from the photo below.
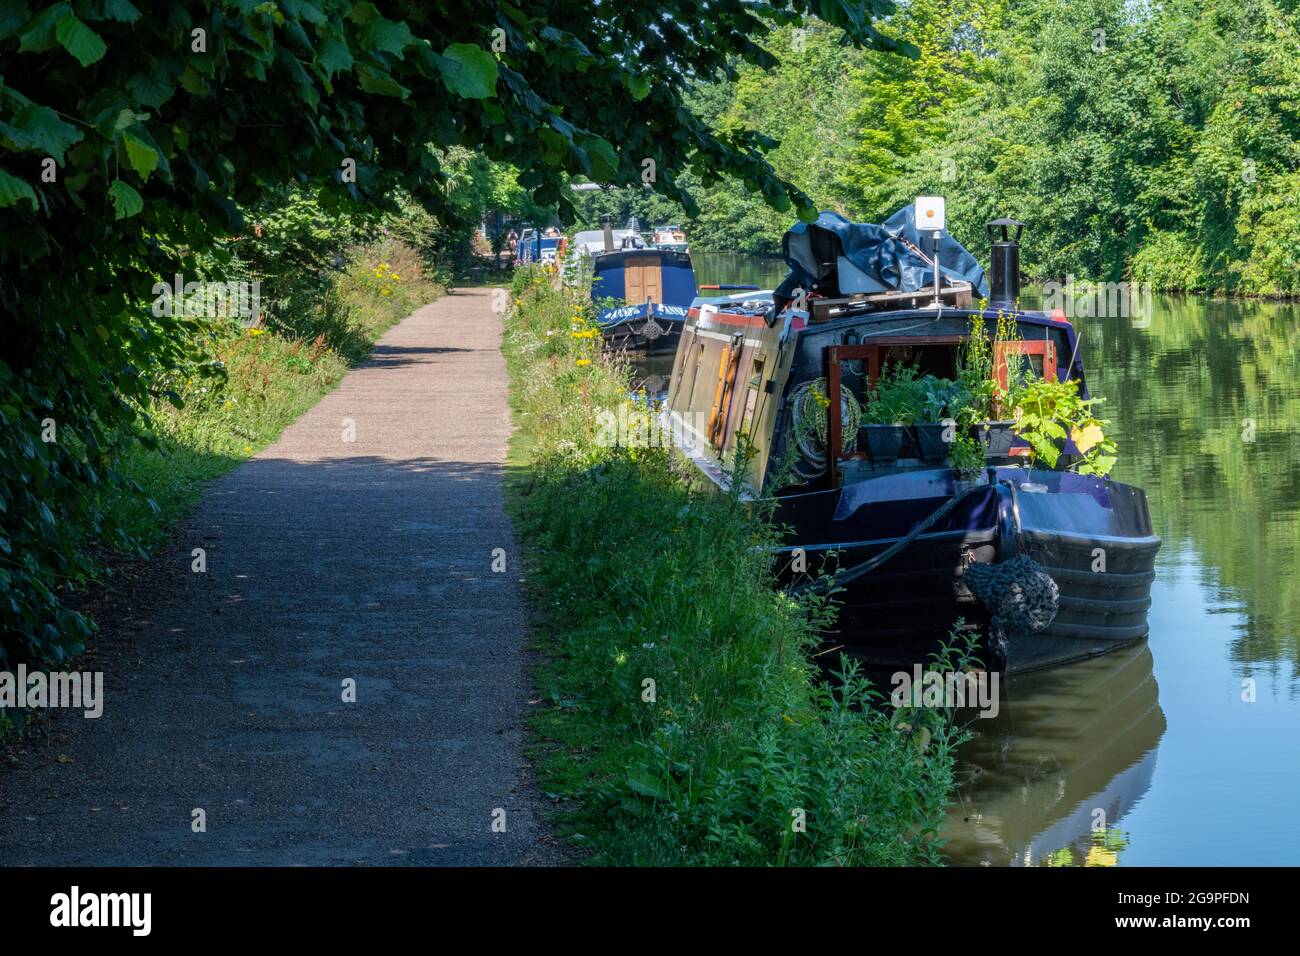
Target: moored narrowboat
[1063,556]
[644,290]
[538,246]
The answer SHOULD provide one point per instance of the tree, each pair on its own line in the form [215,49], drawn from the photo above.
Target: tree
[134,133]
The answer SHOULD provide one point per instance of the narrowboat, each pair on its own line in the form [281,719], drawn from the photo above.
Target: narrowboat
[644,290]
[536,246]
[1067,558]
[670,237]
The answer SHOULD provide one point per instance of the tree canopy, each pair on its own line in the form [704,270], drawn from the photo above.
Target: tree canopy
[1153,142]
[132,134]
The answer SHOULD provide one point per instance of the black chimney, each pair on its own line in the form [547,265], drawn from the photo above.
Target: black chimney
[607,227]
[1004,261]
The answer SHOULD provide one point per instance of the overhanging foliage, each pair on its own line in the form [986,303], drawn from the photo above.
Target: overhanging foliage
[133,133]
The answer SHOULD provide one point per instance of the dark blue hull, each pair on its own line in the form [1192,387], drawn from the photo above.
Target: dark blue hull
[1093,536]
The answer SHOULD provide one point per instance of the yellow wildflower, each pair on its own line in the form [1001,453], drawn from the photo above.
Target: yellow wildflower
[1100,856]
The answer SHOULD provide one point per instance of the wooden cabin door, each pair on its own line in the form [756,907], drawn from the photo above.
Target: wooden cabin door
[643,279]
[724,395]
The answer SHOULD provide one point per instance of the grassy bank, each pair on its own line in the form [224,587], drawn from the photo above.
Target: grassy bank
[248,384]
[682,722]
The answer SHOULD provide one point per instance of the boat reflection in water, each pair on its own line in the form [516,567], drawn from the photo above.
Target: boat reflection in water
[1049,780]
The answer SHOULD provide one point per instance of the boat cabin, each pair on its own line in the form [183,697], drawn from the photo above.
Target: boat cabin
[739,366]
[636,276]
[917,545]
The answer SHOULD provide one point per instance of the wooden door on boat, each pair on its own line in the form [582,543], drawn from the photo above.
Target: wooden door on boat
[643,279]
[724,392]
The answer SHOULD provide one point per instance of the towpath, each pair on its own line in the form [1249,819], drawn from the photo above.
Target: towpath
[359,547]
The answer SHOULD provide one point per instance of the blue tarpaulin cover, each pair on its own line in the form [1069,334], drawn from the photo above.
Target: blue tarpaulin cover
[878,260]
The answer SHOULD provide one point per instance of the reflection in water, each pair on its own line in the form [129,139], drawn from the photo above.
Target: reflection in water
[650,373]
[1070,753]
[719,268]
[1205,401]
[1205,404]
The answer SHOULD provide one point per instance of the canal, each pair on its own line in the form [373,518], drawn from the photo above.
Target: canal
[1183,750]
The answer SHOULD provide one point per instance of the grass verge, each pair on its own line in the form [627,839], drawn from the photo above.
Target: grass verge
[682,719]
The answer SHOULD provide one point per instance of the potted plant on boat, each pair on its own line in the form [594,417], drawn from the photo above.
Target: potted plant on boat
[936,429]
[983,399]
[893,406]
[966,458]
[1052,413]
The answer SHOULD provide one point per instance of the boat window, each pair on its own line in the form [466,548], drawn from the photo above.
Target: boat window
[1037,357]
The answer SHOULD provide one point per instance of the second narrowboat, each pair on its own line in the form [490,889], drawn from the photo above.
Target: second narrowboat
[643,290]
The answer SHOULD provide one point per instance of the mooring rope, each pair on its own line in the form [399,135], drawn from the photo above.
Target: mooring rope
[821,585]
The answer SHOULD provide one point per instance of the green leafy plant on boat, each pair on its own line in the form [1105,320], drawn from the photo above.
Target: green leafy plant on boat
[899,396]
[1048,413]
[965,454]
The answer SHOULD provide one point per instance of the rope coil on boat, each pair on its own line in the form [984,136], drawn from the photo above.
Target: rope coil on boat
[809,425]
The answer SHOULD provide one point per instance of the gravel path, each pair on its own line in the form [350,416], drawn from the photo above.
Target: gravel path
[327,559]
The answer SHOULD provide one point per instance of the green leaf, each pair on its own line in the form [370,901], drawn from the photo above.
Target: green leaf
[122,11]
[303,10]
[39,129]
[386,35]
[126,201]
[333,56]
[468,71]
[362,13]
[151,89]
[374,80]
[79,40]
[193,82]
[639,86]
[647,786]
[13,189]
[142,157]
[1102,464]
[604,163]
[37,36]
